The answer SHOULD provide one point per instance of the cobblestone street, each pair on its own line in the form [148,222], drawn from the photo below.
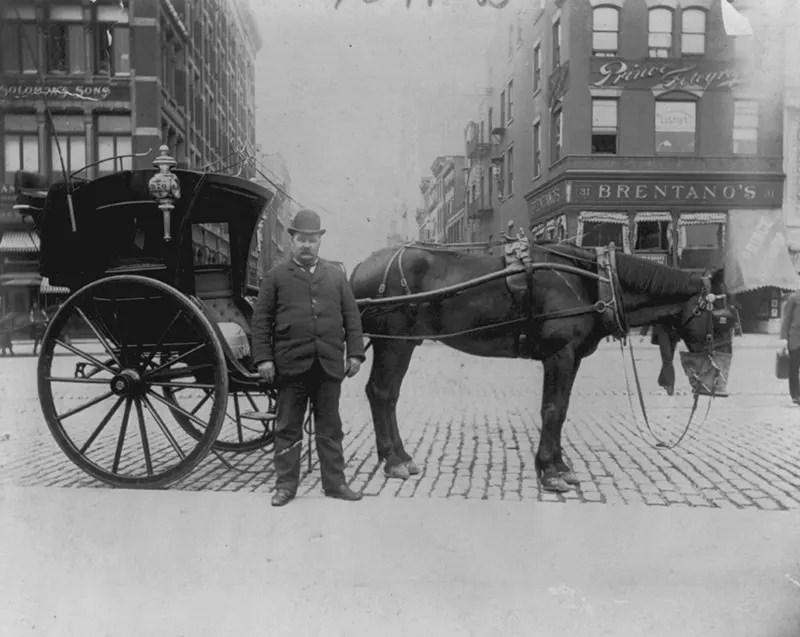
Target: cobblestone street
[473,426]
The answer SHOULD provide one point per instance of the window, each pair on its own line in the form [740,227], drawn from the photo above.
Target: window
[675,126]
[21,145]
[693,32]
[605,31]
[537,67]
[660,32]
[745,127]
[502,108]
[557,43]
[71,140]
[652,235]
[113,139]
[601,233]
[604,126]
[66,43]
[556,133]
[510,171]
[510,97]
[113,55]
[19,47]
[510,40]
[537,149]
[703,235]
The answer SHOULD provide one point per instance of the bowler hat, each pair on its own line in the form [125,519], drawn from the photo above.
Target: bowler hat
[306,222]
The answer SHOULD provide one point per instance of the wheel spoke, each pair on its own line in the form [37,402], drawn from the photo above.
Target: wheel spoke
[238,417]
[162,425]
[171,362]
[180,372]
[91,403]
[161,339]
[202,402]
[79,380]
[179,385]
[99,336]
[178,408]
[121,440]
[85,356]
[101,426]
[143,432]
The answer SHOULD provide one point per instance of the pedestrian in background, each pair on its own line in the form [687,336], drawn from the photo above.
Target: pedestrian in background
[38,320]
[304,316]
[790,335]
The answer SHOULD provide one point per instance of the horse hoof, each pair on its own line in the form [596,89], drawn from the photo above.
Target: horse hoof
[555,484]
[569,477]
[412,467]
[396,471]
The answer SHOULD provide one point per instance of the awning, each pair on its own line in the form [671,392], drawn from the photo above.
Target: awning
[19,241]
[757,254]
[23,280]
[46,288]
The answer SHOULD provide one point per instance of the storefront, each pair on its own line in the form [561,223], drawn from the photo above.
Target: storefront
[686,221]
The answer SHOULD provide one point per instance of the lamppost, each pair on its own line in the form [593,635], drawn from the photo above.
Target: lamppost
[165,187]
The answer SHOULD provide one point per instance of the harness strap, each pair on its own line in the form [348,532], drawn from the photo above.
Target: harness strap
[399,256]
[609,291]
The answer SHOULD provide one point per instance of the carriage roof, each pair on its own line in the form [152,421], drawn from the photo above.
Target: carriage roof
[118,224]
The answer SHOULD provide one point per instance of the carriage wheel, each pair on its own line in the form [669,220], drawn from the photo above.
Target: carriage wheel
[107,357]
[248,423]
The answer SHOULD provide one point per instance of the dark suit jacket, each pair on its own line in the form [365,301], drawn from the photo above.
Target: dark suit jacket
[301,317]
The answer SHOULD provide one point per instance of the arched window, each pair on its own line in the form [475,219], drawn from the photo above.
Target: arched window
[693,32]
[659,27]
[605,31]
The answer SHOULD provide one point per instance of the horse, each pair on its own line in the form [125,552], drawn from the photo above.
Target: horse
[559,318]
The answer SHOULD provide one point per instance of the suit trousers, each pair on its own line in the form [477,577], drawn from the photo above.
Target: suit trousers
[294,393]
[794,373]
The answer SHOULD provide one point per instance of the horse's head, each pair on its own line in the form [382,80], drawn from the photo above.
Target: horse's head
[706,326]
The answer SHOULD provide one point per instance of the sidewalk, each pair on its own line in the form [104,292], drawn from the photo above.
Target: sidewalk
[99,562]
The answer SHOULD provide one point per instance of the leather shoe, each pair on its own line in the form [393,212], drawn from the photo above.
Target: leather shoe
[281,497]
[345,493]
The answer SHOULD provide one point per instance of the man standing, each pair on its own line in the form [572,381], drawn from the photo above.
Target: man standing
[790,334]
[304,315]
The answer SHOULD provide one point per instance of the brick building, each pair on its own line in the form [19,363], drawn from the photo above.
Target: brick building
[646,124]
[443,219]
[100,79]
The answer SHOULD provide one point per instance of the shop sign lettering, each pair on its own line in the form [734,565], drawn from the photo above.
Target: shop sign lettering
[666,75]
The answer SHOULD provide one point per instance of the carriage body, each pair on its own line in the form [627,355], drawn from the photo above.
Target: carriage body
[149,338]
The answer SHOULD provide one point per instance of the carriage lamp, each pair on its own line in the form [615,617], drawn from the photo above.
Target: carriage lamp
[165,187]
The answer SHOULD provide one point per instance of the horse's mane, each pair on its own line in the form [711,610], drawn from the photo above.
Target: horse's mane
[641,275]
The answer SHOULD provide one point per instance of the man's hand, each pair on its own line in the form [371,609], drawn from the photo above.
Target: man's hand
[352,367]
[267,371]
[784,345]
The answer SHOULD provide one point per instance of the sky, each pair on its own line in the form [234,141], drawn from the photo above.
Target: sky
[337,88]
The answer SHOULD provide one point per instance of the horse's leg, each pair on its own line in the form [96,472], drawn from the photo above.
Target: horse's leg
[389,365]
[564,470]
[559,372]
[666,347]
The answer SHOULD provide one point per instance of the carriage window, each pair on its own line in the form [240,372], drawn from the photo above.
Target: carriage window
[211,243]
[704,235]
[652,235]
[601,233]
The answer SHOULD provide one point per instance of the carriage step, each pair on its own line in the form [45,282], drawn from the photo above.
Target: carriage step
[259,415]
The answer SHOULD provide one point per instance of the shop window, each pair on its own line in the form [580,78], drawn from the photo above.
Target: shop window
[703,235]
[604,126]
[675,126]
[659,22]
[745,127]
[605,31]
[652,235]
[21,145]
[68,144]
[113,140]
[601,233]
[19,43]
[693,32]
